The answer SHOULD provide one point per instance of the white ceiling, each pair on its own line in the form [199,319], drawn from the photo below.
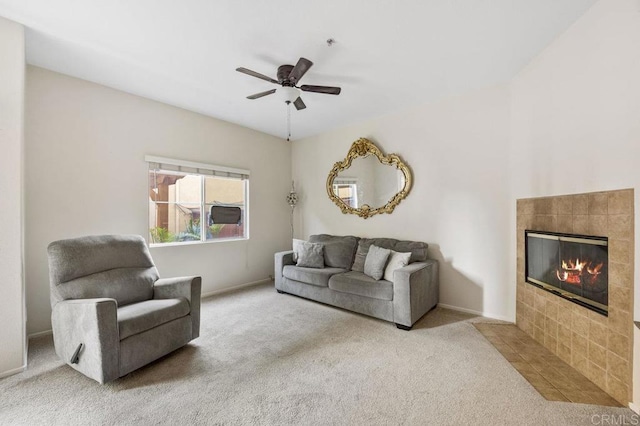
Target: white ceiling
[388,55]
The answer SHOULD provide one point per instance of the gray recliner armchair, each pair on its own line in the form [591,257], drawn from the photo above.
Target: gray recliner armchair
[111,312]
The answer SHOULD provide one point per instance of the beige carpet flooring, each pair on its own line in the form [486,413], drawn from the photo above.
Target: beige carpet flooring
[266,358]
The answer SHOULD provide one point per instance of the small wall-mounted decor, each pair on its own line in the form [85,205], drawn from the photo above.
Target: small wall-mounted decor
[367,182]
[292,200]
[292,197]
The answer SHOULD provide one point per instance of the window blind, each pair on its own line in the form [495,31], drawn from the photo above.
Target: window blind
[170,164]
[345,181]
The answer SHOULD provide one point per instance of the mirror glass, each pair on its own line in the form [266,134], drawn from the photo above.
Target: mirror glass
[367,182]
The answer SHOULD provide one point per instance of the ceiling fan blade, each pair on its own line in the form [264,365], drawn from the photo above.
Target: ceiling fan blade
[299,104]
[321,89]
[261,94]
[299,70]
[256,74]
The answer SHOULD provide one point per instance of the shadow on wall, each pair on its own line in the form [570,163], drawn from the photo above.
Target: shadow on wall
[455,285]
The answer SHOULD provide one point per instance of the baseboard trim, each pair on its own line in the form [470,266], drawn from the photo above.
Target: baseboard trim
[635,408]
[459,309]
[473,312]
[203,296]
[12,371]
[39,334]
[235,287]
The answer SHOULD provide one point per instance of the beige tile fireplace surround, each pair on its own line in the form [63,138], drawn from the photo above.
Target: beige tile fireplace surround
[599,347]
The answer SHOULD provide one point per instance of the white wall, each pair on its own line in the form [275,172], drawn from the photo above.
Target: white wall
[86,174]
[576,118]
[12,66]
[457,150]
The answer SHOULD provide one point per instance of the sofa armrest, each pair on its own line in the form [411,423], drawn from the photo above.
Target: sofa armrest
[282,259]
[94,323]
[188,287]
[415,291]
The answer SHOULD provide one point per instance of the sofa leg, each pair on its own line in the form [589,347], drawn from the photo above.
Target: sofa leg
[280,291]
[403,327]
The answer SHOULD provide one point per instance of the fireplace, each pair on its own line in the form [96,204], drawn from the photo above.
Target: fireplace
[574,267]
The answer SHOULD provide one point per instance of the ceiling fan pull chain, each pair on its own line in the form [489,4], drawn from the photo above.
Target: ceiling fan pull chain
[288,121]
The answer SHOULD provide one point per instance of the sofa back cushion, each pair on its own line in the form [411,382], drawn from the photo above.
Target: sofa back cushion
[338,250]
[417,249]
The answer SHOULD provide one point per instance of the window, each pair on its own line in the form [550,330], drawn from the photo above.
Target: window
[347,191]
[196,202]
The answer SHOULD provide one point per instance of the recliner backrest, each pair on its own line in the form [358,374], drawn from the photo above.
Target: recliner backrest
[114,266]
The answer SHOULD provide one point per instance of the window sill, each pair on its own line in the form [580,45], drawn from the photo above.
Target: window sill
[192,243]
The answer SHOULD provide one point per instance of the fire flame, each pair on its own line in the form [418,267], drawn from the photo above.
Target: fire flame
[595,270]
[577,266]
[572,272]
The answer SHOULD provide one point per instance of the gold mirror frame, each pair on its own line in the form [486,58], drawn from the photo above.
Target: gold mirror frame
[361,148]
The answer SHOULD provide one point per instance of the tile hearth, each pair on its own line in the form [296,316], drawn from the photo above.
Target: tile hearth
[553,378]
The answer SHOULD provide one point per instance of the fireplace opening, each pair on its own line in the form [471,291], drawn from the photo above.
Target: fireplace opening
[574,267]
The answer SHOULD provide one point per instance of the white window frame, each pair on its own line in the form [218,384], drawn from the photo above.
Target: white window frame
[203,170]
[351,182]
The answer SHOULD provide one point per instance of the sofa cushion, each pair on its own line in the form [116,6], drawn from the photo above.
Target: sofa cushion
[138,317]
[397,260]
[418,250]
[310,255]
[375,261]
[296,245]
[313,276]
[338,250]
[358,283]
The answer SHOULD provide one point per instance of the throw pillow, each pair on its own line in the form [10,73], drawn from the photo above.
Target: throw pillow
[311,255]
[296,244]
[396,261]
[375,261]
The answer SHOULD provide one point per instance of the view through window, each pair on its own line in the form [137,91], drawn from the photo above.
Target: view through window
[347,192]
[186,205]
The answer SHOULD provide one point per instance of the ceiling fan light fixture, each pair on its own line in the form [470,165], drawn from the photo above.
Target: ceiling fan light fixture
[288,94]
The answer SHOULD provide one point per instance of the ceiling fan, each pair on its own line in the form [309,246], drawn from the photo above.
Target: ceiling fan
[288,78]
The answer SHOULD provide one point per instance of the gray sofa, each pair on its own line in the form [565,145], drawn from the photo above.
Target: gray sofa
[342,282]
[111,312]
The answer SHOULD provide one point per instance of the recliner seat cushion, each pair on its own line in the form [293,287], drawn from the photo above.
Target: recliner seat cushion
[313,276]
[138,317]
[338,250]
[354,282]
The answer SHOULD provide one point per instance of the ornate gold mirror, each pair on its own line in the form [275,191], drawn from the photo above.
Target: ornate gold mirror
[367,182]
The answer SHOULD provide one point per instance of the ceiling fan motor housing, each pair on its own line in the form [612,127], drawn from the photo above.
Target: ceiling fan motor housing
[283,75]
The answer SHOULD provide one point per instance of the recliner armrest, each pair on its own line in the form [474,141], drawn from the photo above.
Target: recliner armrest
[188,287]
[282,259]
[415,291]
[94,323]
